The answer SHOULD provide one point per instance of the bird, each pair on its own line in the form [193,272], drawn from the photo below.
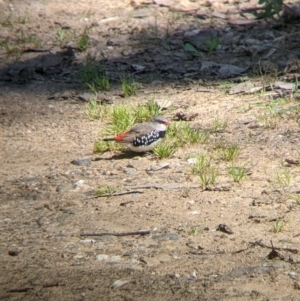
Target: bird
[143,137]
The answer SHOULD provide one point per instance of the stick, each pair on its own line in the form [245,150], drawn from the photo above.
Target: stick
[35,50]
[257,243]
[125,203]
[140,232]
[53,284]
[19,290]
[116,194]
[167,187]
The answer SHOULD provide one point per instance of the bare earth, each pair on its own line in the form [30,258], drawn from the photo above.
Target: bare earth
[46,201]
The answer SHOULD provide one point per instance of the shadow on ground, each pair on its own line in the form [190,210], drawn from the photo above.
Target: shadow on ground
[150,43]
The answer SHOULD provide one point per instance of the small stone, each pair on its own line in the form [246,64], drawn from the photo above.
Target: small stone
[151,261]
[192,161]
[120,283]
[63,187]
[164,258]
[115,259]
[293,275]
[86,96]
[68,210]
[13,252]
[79,183]
[87,241]
[78,256]
[102,257]
[81,162]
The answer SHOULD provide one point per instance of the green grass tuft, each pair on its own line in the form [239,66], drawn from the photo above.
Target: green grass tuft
[105,189]
[185,134]
[83,41]
[227,152]
[202,167]
[129,86]
[165,150]
[95,79]
[278,226]
[237,173]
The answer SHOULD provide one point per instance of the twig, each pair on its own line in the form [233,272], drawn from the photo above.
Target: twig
[115,194]
[53,284]
[19,290]
[140,232]
[125,203]
[167,186]
[257,243]
[35,50]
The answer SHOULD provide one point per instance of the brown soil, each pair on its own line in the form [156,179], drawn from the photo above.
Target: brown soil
[46,201]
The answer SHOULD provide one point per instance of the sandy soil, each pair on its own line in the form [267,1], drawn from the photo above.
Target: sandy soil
[46,202]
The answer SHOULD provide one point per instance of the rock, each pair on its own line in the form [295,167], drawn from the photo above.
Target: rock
[78,256]
[13,252]
[68,210]
[61,188]
[158,167]
[164,258]
[86,96]
[114,259]
[192,161]
[164,2]
[87,241]
[81,162]
[102,257]
[120,283]
[168,236]
[293,275]
[151,261]
[241,88]
[285,86]
[141,12]
[185,6]
[79,183]
[246,271]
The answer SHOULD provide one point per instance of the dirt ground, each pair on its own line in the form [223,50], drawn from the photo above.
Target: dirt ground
[46,201]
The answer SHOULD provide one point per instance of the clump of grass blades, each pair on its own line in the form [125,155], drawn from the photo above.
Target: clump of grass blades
[202,167]
[185,134]
[165,150]
[94,79]
[237,173]
[129,86]
[123,118]
[295,197]
[94,110]
[105,189]
[195,231]
[208,176]
[147,111]
[283,177]
[219,126]
[83,41]
[278,226]
[228,152]
[201,163]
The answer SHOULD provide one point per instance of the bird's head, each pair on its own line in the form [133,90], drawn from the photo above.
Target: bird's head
[160,120]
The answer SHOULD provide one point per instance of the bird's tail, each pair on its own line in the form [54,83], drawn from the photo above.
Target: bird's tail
[108,139]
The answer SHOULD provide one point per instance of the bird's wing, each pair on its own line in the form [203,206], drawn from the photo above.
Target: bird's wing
[138,130]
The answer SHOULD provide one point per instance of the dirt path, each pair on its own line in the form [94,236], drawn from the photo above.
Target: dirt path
[46,201]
